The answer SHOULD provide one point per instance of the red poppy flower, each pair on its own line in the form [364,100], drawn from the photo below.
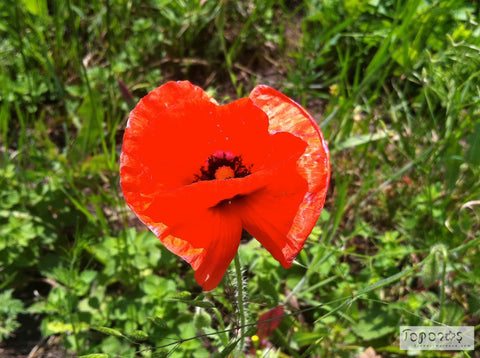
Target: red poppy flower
[197,174]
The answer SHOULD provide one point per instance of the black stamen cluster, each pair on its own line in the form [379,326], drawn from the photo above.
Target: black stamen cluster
[215,162]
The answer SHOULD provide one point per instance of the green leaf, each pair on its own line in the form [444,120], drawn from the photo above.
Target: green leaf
[227,350]
[202,320]
[9,309]
[375,321]
[159,322]
[91,117]
[197,302]
[156,286]
[36,7]
[431,269]
[95,355]
[203,304]
[183,295]
[137,336]
[55,327]
[307,338]
[473,152]
[108,331]
[452,314]
[355,141]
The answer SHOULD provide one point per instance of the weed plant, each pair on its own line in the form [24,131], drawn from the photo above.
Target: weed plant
[395,86]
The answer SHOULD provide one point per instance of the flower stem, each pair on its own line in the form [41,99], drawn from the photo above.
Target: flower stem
[240,303]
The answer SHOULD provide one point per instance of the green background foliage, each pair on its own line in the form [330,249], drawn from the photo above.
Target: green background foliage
[395,88]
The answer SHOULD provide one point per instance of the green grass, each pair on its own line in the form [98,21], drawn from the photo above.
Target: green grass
[395,86]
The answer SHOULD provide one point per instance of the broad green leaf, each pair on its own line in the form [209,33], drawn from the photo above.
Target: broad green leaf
[307,338]
[375,321]
[452,314]
[61,327]
[36,7]
[159,322]
[137,336]
[202,320]
[431,269]
[108,331]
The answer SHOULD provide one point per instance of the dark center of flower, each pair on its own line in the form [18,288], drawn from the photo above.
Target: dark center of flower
[223,165]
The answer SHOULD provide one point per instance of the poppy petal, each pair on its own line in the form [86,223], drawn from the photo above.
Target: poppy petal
[140,161]
[218,231]
[173,130]
[172,207]
[286,115]
[201,222]
[268,214]
[171,142]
